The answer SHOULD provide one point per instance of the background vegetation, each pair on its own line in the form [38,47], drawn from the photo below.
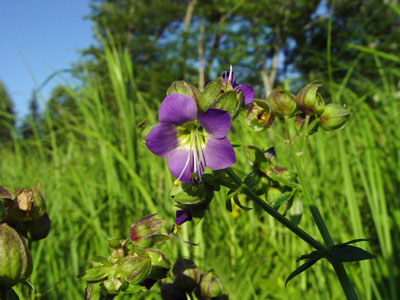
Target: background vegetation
[85,146]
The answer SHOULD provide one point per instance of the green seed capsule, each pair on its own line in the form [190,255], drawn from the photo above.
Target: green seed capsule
[334,117]
[15,258]
[283,102]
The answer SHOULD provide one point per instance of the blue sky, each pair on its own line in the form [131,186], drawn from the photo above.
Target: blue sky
[39,37]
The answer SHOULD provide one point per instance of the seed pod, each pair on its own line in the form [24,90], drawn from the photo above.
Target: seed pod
[210,285]
[185,274]
[39,228]
[309,100]
[15,258]
[160,264]
[260,116]
[283,102]
[334,117]
[28,205]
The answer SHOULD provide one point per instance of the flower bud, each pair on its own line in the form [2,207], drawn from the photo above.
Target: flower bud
[134,269]
[15,258]
[283,102]
[309,100]
[143,231]
[160,264]
[334,117]
[185,274]
[260,116]
[210,285]
[171,292]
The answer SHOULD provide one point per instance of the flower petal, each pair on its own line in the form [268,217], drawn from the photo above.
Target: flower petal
[219,153]
[162,139]
[183,216]
[177,109]
[217,122]
[248,93]
[180,163]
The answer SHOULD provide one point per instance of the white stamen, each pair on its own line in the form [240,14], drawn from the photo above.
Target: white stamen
[188,158]
[230,73]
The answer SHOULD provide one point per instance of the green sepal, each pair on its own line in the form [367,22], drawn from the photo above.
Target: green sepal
[347,253]
[196,92]
[93,292]
[145,228]
[181,87]
[189,196]
[132,289]
[113,286]
[97,273]
[133,269]
[229,102]
[154,240]
[186,195]
[302,268]
[210,94]
[99,261]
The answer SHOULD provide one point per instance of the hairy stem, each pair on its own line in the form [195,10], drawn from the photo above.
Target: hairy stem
[272,212]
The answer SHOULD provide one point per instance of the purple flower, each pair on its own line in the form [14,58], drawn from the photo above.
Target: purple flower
[191,141]
[183,216]
[248,92]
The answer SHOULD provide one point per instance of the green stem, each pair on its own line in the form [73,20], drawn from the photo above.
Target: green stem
[272,212]
[338,266]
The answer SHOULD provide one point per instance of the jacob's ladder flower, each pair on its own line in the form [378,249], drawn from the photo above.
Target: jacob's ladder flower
[191,140]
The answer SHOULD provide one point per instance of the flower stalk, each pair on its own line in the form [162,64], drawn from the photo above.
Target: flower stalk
[338,266]
[272,212]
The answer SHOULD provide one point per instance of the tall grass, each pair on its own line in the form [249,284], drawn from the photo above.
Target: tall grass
[99,179]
